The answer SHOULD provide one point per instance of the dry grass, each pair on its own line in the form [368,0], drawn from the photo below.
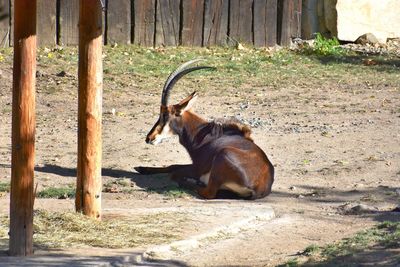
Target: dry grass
[68,229]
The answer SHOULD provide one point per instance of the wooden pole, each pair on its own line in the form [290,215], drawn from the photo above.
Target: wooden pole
[90,75]
[23,129]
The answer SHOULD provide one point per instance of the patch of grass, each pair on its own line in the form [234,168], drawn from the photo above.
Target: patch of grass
[384,236]
[57,192]
[290,263]
[68,229]
[325,47]
[5,187]
[172,191]
[143,70]
[120,185]
[176,192]
[311,250]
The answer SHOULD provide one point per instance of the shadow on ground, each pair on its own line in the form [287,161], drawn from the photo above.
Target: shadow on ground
[377,62]
[56,258]
[159,183]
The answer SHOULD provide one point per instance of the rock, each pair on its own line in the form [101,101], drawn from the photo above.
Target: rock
[61,74]
[350,209]
[39,74]
[398,191]
[368,38]
[358,17]
[397,209]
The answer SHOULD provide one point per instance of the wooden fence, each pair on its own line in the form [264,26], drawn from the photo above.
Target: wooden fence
[168,22]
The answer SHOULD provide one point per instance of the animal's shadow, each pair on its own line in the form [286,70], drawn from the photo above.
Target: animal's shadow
[159,183]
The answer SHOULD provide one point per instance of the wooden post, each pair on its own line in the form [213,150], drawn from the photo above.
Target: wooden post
[90,75]
[23,129]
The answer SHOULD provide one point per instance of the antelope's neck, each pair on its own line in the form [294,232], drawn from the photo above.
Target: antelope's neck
[191,124]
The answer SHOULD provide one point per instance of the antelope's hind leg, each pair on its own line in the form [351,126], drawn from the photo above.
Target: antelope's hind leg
[227,174]
[219,170]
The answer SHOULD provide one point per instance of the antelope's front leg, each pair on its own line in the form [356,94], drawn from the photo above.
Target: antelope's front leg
[155,170]
[187,177]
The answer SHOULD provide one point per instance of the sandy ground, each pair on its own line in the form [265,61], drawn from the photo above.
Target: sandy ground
[331,144]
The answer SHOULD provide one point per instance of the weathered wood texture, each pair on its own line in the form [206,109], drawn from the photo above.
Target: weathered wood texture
[240,21]
[167,23]
[216,15]
[5,22]
[289,21]
[144,28]
[69,19]
[90,77]
[192,22]
[295,23]
[118,23]
[265,22]
[23,129]
[46,22]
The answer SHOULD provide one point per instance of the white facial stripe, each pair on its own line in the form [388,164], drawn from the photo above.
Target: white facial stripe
[165,133]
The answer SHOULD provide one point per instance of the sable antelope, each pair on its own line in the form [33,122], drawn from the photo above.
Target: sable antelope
[223,154]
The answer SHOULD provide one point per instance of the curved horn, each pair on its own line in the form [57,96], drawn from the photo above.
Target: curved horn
[176,75]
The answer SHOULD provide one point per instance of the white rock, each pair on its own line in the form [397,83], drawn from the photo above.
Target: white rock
[358,17]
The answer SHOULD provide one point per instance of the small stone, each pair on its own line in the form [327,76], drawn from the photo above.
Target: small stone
[292,188]
[349,209]
[367,38]
[61,74]
[397,191]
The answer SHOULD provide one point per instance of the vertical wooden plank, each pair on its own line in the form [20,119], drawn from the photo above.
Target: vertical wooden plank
[144,14]
[118,22]
[240,21]
[260,23]
[289,21]
[90,79]
[271,22]
[192,22]
[5,22]
[11,42]
[215,22]
[167,22]
[46,18]
[265,22]
[69,18]
[295,19]
[23,129]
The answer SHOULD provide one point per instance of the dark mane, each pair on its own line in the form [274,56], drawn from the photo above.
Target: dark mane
[215,129]
[234,127]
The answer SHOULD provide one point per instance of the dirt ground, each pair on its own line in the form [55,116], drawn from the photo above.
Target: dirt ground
[332,137]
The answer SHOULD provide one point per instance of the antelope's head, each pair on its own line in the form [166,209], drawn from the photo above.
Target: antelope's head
[170,117]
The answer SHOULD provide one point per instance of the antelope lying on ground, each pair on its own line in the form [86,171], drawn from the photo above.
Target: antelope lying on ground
[224,155]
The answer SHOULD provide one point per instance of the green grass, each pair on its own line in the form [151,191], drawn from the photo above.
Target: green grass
[383,237]
[172,191]
[326,47]
[120,185]
[57,192]
[5,187]
[144,70]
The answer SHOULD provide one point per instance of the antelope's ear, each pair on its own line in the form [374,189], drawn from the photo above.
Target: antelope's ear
[187,103]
